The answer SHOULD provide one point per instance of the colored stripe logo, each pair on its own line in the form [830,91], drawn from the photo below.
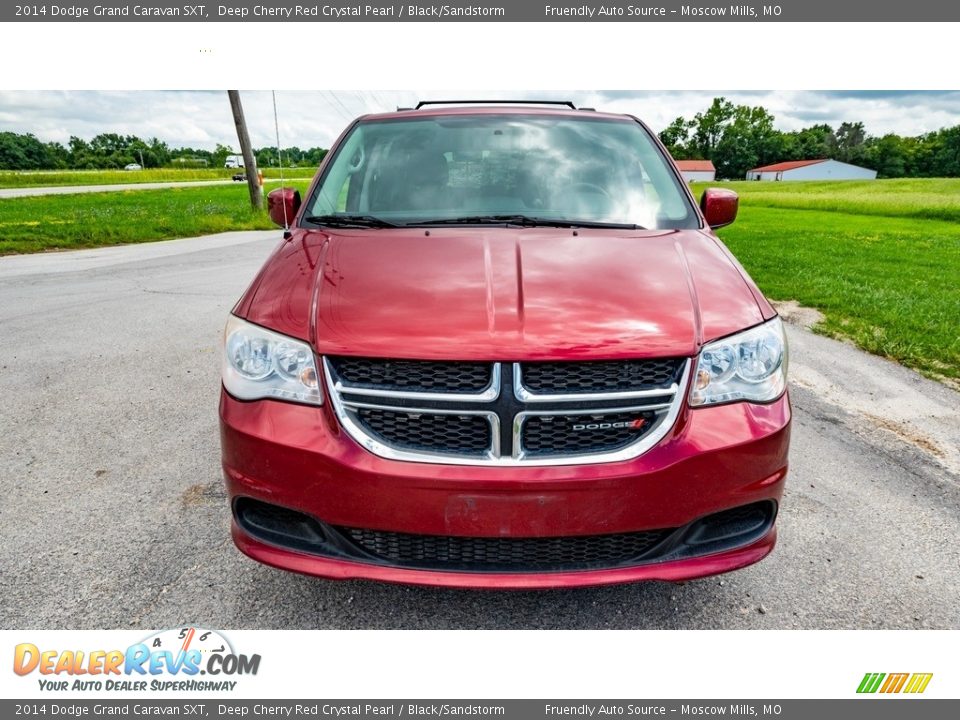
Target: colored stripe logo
[913,683]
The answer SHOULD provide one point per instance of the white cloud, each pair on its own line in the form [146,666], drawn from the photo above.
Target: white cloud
[316,118]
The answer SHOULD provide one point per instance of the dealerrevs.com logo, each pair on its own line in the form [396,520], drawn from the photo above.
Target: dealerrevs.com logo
[169,660]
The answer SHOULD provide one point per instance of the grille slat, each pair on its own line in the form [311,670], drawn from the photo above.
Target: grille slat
[505,553]
[600,376]
[414,375]
[465,434]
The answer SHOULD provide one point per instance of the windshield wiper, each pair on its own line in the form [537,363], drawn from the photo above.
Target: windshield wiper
[359,221]
[526,221]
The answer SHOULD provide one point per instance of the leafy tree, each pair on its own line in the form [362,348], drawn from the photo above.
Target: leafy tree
[945,158]
[58,156]
[850,138]
[748,141]
[111,151]
[708,126]
[887,156]
[814,143]
[219,156]
[11,154]
[314,156]
[292,156]
[675,137]
[26,152]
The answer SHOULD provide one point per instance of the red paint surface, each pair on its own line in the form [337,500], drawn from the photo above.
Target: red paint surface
[295,456]
[719,207]
[504,294]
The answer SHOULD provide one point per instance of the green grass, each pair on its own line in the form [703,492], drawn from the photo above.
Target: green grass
[68,222]
[890,283]
[927,198]
[50,178]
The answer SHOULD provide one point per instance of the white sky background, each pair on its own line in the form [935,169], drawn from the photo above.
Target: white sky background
[202,119]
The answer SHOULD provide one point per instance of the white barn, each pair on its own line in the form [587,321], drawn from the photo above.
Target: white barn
[697,170]
[825,169]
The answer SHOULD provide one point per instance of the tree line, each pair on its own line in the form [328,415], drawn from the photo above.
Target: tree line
[738,138]
[735,137]
[110,151]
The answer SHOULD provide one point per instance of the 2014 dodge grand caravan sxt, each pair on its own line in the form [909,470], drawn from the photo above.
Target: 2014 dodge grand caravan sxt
[501,346]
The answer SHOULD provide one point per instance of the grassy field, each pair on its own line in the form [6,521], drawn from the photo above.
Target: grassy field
[880,260]
[50,178]
[59,222]
[927,198]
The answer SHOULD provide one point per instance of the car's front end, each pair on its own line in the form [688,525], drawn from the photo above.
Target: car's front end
[501,403]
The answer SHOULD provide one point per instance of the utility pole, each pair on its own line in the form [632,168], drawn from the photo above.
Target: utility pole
[249,161]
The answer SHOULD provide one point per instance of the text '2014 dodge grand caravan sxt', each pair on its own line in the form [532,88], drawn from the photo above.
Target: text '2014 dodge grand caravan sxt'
[500,346]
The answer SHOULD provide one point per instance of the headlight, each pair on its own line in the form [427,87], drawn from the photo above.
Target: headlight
[258,363]
[751,365]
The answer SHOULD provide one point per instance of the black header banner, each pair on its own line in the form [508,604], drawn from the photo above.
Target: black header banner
[484,11]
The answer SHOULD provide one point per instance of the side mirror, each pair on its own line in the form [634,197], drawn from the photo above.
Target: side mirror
[719,207]
[282,204]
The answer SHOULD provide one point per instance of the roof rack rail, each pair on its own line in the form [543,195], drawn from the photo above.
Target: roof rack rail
[565,103]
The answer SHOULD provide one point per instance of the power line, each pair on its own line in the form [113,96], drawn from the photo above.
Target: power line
[349,116]
[330,100]
[368,102]
[358,97]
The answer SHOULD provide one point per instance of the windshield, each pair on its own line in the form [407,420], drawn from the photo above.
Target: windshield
[501,168]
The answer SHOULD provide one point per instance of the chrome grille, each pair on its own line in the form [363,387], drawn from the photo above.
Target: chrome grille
[599,376]
[467,434]
[574,412]
[413,375]
[577,434]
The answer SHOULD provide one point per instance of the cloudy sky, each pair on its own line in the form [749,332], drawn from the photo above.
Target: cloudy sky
[315,118]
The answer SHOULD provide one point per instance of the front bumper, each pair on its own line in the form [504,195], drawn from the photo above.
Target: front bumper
[296,457]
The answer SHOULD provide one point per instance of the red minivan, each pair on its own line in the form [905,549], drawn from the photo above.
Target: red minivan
[501,346]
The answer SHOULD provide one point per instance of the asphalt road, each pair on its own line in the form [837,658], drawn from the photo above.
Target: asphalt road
[113,512]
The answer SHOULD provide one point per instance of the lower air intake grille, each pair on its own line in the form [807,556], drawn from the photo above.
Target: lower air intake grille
[440,432]
[516,554]
[287,528]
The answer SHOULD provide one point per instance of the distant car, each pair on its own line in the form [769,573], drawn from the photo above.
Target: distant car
[133,166]
[239,177]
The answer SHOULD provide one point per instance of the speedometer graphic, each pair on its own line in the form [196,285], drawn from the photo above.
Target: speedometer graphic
[184,639]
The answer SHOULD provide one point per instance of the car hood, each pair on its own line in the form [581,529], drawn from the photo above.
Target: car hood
[496,293]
